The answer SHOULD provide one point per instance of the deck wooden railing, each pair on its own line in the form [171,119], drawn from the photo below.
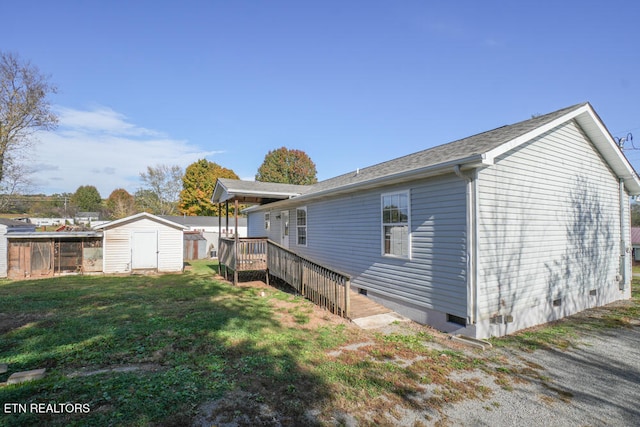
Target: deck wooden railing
[322,285]
[251,254]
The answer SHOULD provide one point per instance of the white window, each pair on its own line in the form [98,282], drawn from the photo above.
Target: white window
[267,221]
[301,226]
[395,224]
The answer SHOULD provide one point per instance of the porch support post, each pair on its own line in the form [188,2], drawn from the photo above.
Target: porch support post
[237,243]
[219,230]
[227,215]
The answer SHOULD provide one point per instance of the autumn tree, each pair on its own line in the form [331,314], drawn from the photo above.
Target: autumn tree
[120,204]
[197,187]
[161,189]
[87,198]
[24,107]
[287,167]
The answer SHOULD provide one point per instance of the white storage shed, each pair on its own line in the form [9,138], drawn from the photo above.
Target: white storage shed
[142,242]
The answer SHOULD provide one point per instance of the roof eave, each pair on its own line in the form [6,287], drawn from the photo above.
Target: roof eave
[471,162]
[140,215]
[595,129]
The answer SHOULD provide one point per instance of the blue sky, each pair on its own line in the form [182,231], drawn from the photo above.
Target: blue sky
[352,83]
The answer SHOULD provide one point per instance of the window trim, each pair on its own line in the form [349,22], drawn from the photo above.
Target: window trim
[267,220]
[406,193]
[298,227]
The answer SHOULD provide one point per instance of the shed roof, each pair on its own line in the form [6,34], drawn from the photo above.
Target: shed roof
[138,216]
[193,235]
[635,235]
[59,235]
[13,224]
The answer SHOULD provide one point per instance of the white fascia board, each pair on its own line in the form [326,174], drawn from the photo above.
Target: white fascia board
[231,194]
[602,139]
[609,149]
[141,215]
[491,155]
[219,189]
[261,193]
[474,161]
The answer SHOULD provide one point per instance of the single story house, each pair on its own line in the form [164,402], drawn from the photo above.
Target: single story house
[142,242]
[483,236]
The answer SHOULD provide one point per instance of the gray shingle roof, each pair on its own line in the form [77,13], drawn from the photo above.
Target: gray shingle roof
[266,187]
[470,151]
[456,150]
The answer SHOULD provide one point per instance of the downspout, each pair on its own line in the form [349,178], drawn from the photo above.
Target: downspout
[472,251]
[623,235]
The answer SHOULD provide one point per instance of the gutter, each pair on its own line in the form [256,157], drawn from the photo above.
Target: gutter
[623,242]
[472,243]
[426,171]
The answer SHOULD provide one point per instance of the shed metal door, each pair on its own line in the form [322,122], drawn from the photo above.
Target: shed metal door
[144,249]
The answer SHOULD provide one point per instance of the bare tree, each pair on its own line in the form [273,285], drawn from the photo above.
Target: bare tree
[16,180]
[162,185]
[24,107]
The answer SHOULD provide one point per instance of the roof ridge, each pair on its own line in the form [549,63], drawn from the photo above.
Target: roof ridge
[537,120]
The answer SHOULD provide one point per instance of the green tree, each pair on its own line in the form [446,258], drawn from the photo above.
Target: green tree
[161,189]
[197,187]
[120,204]
[55,205]
[287,167]
[24,108]
[87,198]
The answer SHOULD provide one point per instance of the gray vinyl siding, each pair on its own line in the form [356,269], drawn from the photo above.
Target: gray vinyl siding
[255,225]
[548,225]
[346,233]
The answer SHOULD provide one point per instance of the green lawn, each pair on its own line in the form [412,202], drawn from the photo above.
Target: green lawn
[150,350]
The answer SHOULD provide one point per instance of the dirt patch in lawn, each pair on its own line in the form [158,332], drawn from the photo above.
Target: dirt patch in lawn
[294,311]
[12,321]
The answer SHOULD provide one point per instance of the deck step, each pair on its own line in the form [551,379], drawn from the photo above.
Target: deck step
[361,306]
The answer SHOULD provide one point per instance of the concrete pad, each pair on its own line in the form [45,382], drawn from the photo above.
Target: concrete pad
[20,377]
[481,344]
[379,320]
[3,368]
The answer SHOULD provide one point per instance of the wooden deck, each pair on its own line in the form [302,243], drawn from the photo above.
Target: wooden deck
[320,284]
[361,306]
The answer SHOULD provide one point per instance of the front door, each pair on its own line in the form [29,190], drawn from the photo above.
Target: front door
[144,250]
[284,229]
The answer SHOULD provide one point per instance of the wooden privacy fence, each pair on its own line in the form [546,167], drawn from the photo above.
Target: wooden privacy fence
[323,286]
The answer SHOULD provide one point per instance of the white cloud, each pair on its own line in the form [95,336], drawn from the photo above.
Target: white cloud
[101,120]
[100,147]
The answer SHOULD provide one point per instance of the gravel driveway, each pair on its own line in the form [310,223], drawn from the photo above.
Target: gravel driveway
[596,383]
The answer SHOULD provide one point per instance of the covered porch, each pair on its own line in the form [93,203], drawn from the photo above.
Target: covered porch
[320,284]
